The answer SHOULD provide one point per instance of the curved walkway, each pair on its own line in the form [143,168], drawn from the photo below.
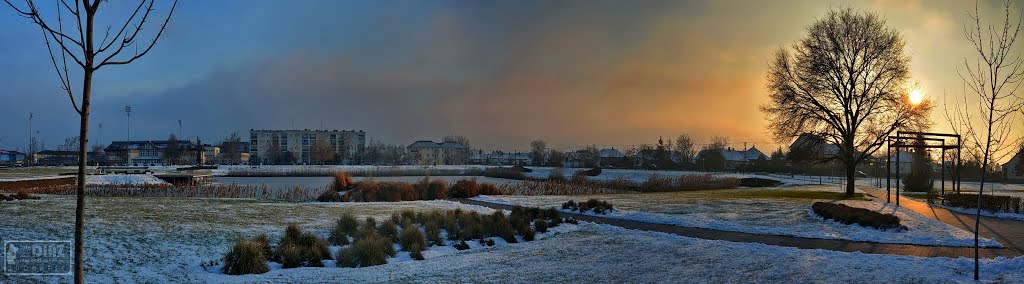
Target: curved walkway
[786,241]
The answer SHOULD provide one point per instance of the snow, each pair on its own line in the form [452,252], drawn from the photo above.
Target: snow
[137,179]
[778,217]
[1004,215]
[639,176]
[163,240]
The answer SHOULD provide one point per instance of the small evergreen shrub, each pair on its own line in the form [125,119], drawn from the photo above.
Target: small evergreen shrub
[346,258]
[245,257]
[433,232]
[373,249]
[346,226]
[852,215]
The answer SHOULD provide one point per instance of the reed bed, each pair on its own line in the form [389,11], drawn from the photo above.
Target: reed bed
[367,172]
[555,187]
[16,185]
[200,191]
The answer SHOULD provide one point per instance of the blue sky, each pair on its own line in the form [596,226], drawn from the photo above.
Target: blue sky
[501,72]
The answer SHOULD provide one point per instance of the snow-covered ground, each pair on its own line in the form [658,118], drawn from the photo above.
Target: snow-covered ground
[777,216]
[639,176]
[137,179]
[1004,215]
[163,240]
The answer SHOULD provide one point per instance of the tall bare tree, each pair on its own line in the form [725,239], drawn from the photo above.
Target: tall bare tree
[537,150]
[79,45]
[172,152]
[846,82]
[684,145]
[992,79]
[232,148]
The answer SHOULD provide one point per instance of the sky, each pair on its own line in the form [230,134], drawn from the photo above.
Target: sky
[503,73]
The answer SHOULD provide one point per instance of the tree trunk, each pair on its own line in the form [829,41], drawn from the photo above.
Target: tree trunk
[83,140]
[851,170]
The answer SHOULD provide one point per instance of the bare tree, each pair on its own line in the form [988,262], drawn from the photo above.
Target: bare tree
[717,143]
[846,82]
[992,79]
[90,57]
[322,151]
[684,145]
[457,139]
[172,153]
[537,149]
[555,158]
[64,150]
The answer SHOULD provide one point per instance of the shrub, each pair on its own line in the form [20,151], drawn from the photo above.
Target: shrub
[490,189]
[373,249]
[329,196]
[433,231]
[852,215]
[462,245]
[570,220]
[541,225]
[346,258]
[465,189]
[597,206]
[264,243]
[342,181]
[416,252]
[289,256]
[412,238]
[388,229]
[506,173]
[437,189]
[346,226]
[993,203]
[245,257]
[528,233]
[502,227]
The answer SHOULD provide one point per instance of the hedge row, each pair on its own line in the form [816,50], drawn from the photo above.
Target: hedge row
[852,215]
[12,186]
[993,203]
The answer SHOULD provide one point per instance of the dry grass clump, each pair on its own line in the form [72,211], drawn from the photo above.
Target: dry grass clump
[342,181]
[245,257]
[369,250]
[329,195]
[346,227]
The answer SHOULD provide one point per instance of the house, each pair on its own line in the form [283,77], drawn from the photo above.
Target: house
[812,148]
[906,162]
[153,152]
[1014,168]
[648,157]
[609,156]
[732,158]
[426,152]
[10,158]
[500,158]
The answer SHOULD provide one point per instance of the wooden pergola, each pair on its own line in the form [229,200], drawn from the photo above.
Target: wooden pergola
[918,140]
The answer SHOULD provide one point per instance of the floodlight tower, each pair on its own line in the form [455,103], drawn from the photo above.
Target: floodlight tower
[128,114]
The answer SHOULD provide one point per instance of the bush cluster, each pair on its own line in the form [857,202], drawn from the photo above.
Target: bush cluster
[299,249]
[471,188]
[852,215]
[329,196]
[993,203]
[598,206]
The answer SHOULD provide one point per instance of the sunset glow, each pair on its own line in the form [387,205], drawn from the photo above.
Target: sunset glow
[916,96]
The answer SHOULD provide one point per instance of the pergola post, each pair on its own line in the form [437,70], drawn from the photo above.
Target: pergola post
[888,171]
[942,169]
[898,166]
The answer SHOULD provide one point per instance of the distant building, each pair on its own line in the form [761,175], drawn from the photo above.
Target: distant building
[1014,168]
[293,146]
[609,156]
[10,158]
[733,158]
[153,152]
[499,158]
[430,153]
[813,149]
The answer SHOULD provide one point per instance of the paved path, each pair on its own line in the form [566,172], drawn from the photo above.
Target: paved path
[786,241]
[1009,233]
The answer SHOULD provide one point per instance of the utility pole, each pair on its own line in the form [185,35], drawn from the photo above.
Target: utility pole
[128,114]
[179,128]
[100,140]
[29,148]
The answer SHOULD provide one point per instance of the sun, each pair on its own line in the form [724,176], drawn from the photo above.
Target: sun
[916,96]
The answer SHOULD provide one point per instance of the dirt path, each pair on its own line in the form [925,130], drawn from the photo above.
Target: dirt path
[788,241]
